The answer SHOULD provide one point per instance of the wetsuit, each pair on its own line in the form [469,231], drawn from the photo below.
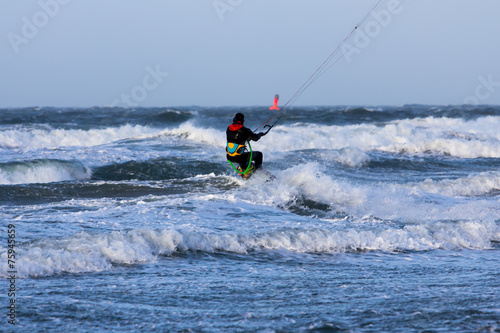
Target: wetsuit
[237,136]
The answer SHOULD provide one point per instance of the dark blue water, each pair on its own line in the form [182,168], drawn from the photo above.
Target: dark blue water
[383,219]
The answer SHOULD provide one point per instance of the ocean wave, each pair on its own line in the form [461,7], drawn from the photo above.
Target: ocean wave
[350,156]
[36,137]
[42,171]
[157,169]
[190,131]
[350,115]
[95,117]
[310,190]
[443,136]
[472,185]
[85,252]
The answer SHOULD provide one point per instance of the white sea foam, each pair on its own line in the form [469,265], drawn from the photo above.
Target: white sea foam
[35,138]
[348,144]
[427,201]
[42,171]
[204,135]
[310,181]
[350,156]
[454,137]
[473,185]
[86,252]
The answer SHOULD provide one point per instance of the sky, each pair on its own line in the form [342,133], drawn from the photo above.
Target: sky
[131,53]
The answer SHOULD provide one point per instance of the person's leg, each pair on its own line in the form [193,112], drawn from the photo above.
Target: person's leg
[242,160]
[257,157]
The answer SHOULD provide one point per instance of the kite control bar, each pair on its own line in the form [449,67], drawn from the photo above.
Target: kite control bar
[268,129]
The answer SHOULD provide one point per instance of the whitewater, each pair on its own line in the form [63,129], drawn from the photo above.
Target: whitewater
[379,219]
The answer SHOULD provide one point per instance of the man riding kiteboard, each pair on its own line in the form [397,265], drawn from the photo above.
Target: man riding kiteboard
[237,138]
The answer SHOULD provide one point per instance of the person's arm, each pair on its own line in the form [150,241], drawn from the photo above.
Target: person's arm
[254,136]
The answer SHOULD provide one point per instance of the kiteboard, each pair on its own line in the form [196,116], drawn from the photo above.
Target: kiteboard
[251,172]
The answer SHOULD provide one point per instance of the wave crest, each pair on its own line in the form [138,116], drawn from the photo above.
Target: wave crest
[42,171]
[36,138]
[473,185]
[85,252]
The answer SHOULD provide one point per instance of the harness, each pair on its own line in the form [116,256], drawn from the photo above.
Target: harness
[238,150]
[234,149]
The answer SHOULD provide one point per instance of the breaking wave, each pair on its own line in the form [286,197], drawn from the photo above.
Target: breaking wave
[42,171]
[443,136]
[85,252]
[36,138]
[474,185]
[310,190]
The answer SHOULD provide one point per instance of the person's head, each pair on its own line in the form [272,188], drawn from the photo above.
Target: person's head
[239,118]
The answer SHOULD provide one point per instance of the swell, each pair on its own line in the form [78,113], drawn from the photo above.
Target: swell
[122,180]
[355,115]
[98,118]
[156,169]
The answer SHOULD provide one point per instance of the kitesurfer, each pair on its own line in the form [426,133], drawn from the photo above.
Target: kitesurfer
[237,137]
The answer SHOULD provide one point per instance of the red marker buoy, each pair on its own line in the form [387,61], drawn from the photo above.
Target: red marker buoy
[275,105]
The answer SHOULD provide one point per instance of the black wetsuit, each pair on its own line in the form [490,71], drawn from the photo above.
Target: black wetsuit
[238,134]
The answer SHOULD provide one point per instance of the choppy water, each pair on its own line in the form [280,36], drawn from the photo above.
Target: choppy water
[380,219]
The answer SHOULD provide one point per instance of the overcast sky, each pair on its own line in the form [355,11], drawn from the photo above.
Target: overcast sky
[241,52]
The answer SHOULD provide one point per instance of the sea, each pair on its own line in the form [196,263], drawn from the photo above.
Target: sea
[379,219]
